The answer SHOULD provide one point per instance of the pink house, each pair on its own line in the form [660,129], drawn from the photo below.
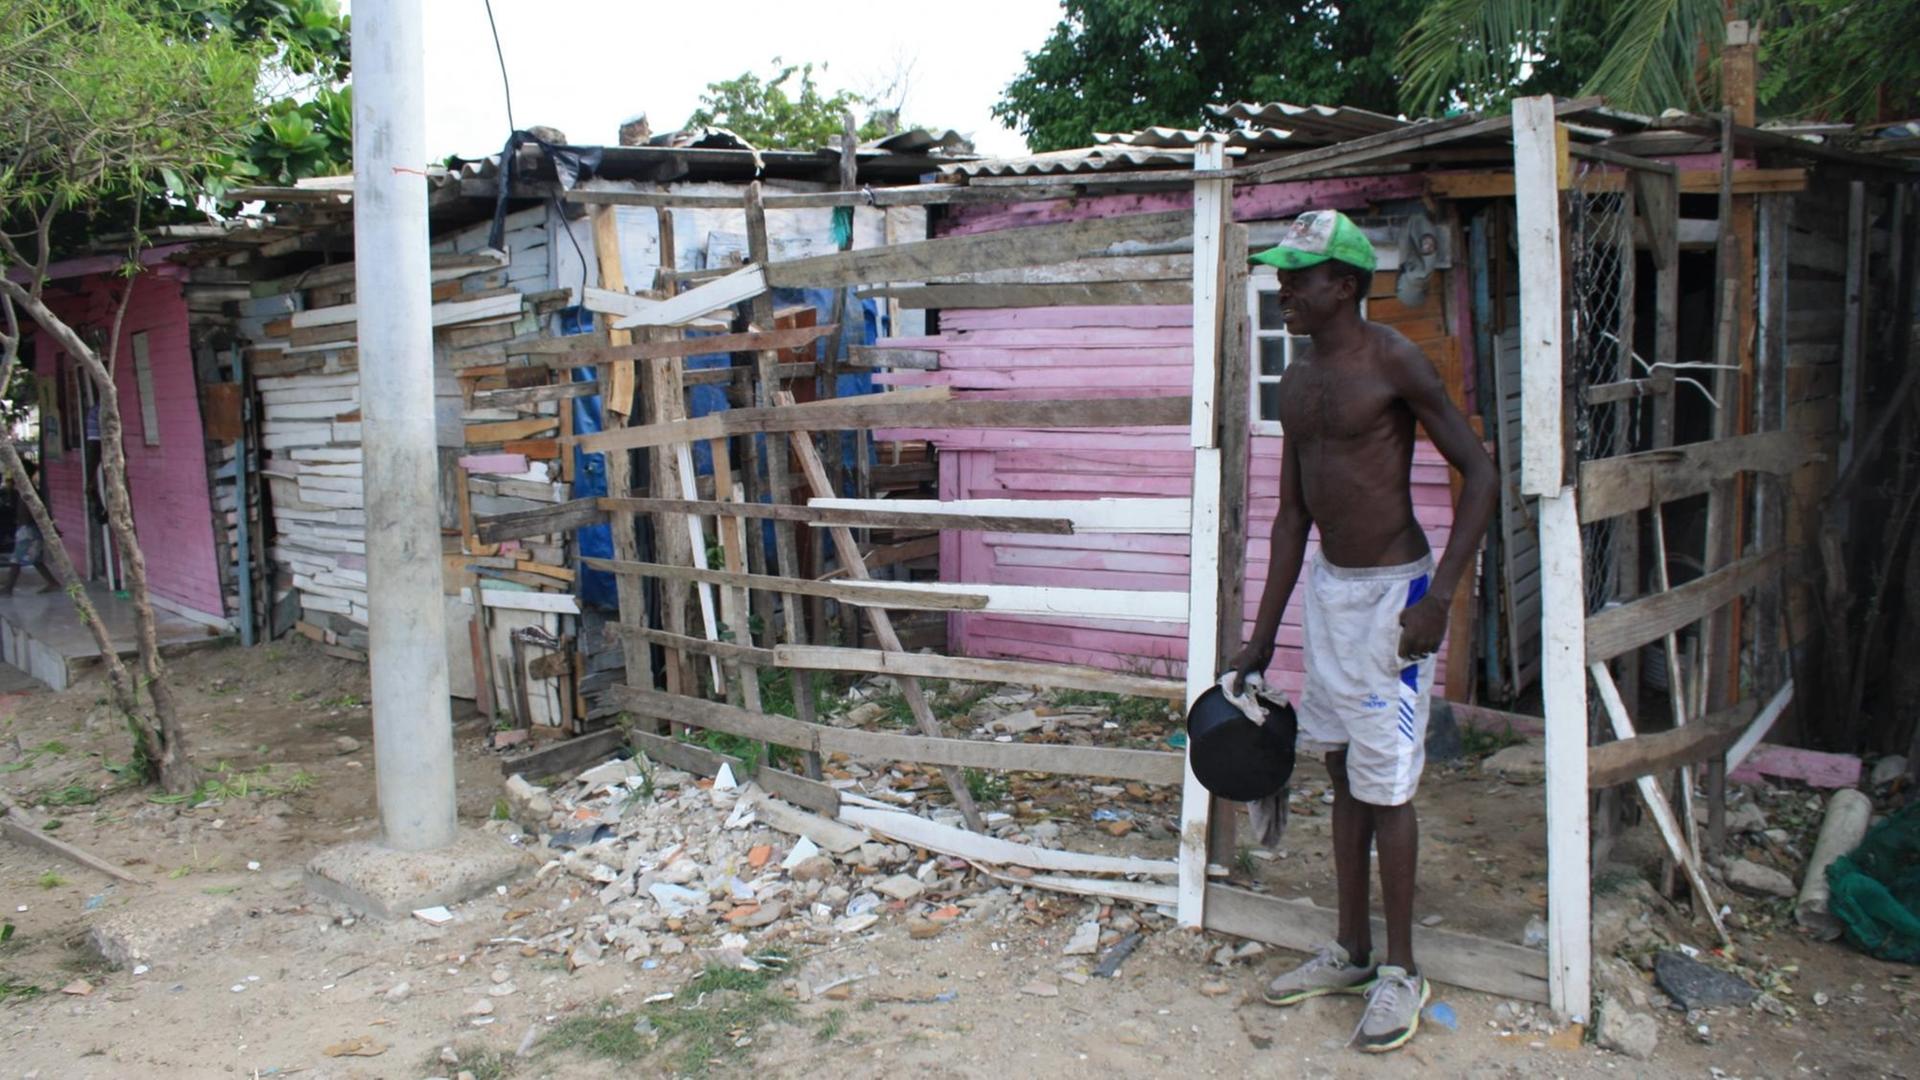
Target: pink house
[1141,351]
[165,444]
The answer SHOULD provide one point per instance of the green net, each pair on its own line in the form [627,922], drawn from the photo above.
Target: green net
[1876,889]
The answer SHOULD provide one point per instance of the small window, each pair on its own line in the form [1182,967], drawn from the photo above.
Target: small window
[1271,347]
[143,378]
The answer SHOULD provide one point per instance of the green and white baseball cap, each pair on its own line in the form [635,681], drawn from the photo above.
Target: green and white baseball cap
[1319,235]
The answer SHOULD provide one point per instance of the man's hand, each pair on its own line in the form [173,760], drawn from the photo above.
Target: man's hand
[1422,626]
[1250,659]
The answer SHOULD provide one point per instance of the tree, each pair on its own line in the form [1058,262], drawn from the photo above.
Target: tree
[1121,65]
[1840,59]
[760,111]
[1643,55]
[102,108]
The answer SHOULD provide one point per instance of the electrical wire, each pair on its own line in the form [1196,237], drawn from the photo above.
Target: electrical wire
[505,87]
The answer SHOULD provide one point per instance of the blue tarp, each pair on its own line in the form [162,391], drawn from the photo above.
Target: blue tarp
[590,472]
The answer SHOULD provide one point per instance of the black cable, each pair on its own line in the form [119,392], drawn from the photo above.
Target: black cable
[505,86]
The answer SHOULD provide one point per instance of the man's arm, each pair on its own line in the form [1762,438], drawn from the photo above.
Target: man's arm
[1425,623]
[1285,553]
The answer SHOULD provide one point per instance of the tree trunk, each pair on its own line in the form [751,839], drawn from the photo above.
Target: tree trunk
[176,771]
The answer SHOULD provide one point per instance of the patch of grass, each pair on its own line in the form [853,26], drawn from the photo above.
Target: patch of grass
[830,1025]
[1477,743]
[703,1027]
[501,811]
[483,1063]
[70,795]
[985,786]
[220,890]
[1126,709]
[300,781]
[51,746]
[344,701]
[51,880]
[1243,861]
[11,990]
[776,692]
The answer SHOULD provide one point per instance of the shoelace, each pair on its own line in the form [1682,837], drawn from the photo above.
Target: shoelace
[1383,996]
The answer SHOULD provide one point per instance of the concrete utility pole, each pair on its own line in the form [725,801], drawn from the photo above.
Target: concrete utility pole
[412,721]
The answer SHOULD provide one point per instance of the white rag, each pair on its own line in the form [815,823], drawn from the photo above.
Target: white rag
[1268,816]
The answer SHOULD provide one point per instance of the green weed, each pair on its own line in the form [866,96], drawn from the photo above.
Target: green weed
[1479,742]
[831,1025]
[1243,861]
[985,786]
[51,880]
[51,746]
[70,795]
[1124,709]
[704,1026]
[501,811]
[10,990]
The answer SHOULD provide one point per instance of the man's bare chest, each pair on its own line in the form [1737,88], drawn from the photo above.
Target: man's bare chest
[1323,404]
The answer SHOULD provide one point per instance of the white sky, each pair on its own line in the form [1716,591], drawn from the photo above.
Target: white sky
[583,66]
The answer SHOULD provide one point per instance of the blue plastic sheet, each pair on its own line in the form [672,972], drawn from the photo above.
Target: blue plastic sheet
[590,482]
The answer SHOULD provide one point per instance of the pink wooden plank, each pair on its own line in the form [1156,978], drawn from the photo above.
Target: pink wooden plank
[511,464]
[1145,315]
[1251,202]
[1051,378]
[1814,768]
[1063,356]
[1079,337]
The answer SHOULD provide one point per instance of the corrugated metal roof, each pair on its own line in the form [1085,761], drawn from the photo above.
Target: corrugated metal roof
[1322,122]
[1187,138]
[921,141]
[1090,159]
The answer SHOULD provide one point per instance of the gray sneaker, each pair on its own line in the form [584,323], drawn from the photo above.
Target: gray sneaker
[1393,1010]
[1329,971]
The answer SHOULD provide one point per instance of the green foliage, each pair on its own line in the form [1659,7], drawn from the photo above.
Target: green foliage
[99,101]
[1120,65]
[298,139]
[1478,742]
[703,1025]
[785,111]
[1125,709]
[1840,59]
[306,37]
[984,786]
[70,795]
[51,880]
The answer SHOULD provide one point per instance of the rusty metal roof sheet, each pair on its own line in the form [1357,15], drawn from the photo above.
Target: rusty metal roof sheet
[1187,138]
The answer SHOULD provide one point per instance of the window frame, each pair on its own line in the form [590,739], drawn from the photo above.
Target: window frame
[1265,279]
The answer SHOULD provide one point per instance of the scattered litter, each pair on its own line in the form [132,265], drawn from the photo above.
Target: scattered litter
[78,988]
[358,1046]
[1109,966]
[1441,1013]
[1041,989]
[434,916]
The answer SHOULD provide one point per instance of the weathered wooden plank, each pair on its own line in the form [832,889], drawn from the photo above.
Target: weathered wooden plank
[924,260]
[1620,485]
[1615,630]
[914,598]
[876,356]
[1146,766]
[1100,294]
[533,395]
[1463,960]
[724,650]
[1624,760]
[798,790]
[742,284]
[508,430]
[1143,515]
[1062,676]
[1539,160]
[873,411]
[912,829]
[561,517]
[857,517]
[589,351]
[563,758]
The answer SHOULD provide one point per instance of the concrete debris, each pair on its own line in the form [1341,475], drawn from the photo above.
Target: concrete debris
[1696,986]
[1751,877]
[1746,818]
[345,744]
[1622,1031]
[1523,763]
[660,863]
[1886,771]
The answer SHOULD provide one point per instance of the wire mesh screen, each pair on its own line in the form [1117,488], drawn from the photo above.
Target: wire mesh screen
[1599,243]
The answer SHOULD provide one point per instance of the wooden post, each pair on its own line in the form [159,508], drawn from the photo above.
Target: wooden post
[1538,155]
[626,544]
[856,567]
[1212,205]
[779,483]
[1236,436]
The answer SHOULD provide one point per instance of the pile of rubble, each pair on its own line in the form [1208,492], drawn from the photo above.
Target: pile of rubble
[678,862]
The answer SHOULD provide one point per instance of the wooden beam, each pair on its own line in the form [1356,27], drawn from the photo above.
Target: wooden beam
[1146,515]
[874,410]
[1500,185]
[1091,294]
[1146,766]
[724,650]
[1464,960]
[905,195]
[707,345]
[563,758]
[1624,760]
[533,395]
[863,517]
[1616,630]
[1563,686]
[1620,485]
[916,598]
[925,260]
[1021,672]
[563,517]
[798,790]
[879,356]
[1757,730]
[919,832]
[1538,158]
[722,292]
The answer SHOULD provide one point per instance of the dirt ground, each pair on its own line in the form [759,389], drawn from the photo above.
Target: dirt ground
[276,978]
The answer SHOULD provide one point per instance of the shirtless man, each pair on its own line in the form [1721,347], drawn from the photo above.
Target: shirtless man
[1376,605]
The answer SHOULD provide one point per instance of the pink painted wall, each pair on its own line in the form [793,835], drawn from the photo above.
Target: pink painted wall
[172,511]
[1094,352]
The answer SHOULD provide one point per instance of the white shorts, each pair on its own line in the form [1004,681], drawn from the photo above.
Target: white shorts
[1360,695]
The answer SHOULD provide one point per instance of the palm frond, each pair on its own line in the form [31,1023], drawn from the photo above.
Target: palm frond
[1470,48]
[1654,57]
